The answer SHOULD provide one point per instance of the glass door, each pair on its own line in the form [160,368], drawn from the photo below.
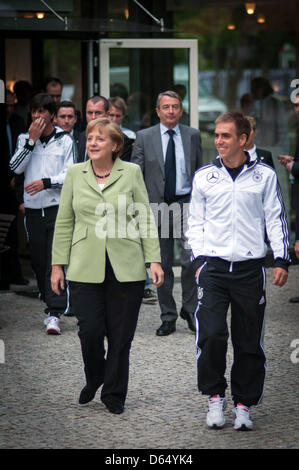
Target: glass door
[139,69]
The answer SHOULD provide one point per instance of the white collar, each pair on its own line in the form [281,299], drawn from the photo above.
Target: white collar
[252,151]
[164,129]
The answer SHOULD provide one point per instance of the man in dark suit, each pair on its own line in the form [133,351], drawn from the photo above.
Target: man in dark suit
[263,155]
[292,166]
[53,86]
[15,126]
[66,119]
[98,106]
[169,153]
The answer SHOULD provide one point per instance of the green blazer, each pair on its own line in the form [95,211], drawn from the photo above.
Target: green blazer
[117,219]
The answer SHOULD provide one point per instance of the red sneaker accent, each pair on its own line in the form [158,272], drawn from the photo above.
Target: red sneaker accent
[241,404]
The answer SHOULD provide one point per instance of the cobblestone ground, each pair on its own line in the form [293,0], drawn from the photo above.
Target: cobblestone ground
[41,378]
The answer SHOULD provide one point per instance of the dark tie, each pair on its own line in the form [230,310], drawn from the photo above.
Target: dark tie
[170,171]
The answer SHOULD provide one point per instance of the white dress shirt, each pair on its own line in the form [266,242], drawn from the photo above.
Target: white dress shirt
[183,185]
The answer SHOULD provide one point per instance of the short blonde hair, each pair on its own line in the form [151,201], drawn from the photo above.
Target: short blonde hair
[114,133]
[118,103]
[252,122]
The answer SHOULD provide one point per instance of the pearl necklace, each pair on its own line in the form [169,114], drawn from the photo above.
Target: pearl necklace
[100,176]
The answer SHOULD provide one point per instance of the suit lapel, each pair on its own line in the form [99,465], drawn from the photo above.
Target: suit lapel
[89,176]
[115,174]
[187,149]
[157,144]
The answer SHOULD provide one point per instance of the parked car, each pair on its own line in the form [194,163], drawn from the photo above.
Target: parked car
[209,107]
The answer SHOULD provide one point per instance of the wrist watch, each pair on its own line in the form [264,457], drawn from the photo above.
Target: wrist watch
[31,143]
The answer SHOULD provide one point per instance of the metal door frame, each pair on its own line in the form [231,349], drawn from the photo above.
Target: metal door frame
[191,44]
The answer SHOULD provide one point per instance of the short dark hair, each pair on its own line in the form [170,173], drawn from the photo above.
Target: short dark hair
[42,100]
[96,98]
[54,80]
[23,88]
[65,104]
[241,122]
[262,84]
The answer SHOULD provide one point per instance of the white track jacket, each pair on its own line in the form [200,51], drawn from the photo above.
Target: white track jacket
[228,219]
[47,161]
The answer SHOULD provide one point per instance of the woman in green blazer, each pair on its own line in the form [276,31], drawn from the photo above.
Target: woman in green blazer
[105,233]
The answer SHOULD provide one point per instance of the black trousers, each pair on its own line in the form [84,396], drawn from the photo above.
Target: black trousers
[243,290]
[108,309]
[175,230]
[40,224]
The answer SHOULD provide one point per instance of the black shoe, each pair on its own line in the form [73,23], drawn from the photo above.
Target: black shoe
[86,395]
[115,409]
[189,317]
[166,328]
[294,300]
[149,296]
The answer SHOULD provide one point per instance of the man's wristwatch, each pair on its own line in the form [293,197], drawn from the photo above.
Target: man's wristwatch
[30,143]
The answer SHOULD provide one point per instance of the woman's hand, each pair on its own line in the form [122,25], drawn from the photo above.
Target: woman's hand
[157,274]
[57,279]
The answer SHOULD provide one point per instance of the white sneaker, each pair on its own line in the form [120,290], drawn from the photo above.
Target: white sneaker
[53,326]
[241,419]
[215,415]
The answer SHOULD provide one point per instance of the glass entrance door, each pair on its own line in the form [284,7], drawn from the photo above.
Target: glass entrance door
[139,69]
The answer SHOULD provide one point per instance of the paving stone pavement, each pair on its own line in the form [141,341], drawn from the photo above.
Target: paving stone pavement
[41,378]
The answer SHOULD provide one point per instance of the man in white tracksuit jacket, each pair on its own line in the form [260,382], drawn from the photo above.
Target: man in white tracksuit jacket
[236,202]
[43,154]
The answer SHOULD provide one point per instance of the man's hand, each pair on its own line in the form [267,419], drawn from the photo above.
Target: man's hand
[36,129]
[286,161]
[22,208]
[280,277]
[34,187]
[57,279]
[12,183]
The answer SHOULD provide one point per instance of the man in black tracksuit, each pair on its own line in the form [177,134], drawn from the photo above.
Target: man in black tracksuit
[235,201]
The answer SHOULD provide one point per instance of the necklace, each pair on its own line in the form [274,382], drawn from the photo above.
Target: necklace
[100,176]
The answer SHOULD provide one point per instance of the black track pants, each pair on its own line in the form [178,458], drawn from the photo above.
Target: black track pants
[40,225]
[243,290]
